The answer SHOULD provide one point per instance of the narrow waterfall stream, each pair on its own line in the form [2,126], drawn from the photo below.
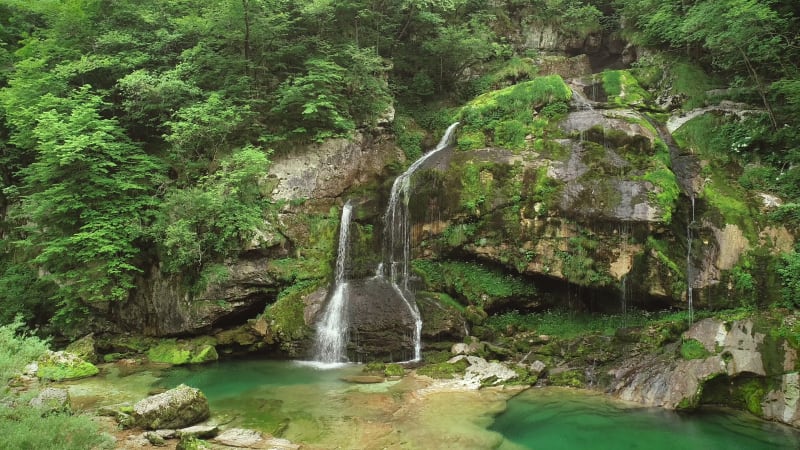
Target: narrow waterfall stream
[397,237]
[689,263]
[330,345]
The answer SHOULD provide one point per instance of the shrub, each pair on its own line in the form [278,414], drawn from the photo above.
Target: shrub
[17,349]
[26,428]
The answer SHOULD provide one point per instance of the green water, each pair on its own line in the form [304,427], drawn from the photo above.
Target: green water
[322,411]
[551,419]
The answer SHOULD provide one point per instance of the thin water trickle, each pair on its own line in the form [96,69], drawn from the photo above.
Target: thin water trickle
[689,263]
[330,346]
[397,237]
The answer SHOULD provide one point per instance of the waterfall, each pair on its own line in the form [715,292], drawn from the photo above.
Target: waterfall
[689,263]
[397,238]
[330,345]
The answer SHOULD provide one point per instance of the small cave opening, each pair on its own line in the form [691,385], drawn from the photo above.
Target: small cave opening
[252,305]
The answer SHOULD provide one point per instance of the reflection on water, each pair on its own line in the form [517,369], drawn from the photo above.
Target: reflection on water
[556,419]
[320,410]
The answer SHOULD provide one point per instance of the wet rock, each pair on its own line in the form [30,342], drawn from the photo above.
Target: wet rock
[783,404]
[175,408]
[52,400]
[483,373]
[199,431]
[242,438]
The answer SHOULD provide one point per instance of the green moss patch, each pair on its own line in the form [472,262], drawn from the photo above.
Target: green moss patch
[693,349]
[472,283]
[444,370]
[179,352]
[506,117]
[286,314]
[623,88]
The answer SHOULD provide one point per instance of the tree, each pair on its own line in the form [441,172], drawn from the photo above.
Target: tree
[87,198]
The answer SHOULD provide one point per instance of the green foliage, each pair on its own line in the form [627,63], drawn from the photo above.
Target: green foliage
[471,140]
[409,137]
[471,282]
[286,314]
[568,378]
[578,264]
[206,223]
[23,427]
[623,88]
[17,349]
[313,101]
[693,349]
[89,195]
[394,370]
[789,272]
[666,191]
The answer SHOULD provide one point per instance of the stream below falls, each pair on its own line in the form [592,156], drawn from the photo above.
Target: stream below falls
[319,409]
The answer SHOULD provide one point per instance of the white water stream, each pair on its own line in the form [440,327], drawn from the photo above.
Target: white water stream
[397,237]
[330,346]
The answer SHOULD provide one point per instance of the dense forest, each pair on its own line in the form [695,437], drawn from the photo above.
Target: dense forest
[137,132]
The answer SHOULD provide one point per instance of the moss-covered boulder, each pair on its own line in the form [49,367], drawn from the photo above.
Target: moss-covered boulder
[60,366]
[179,352]
[84,347]
[180,407]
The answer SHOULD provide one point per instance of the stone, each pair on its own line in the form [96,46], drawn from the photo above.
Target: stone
[242,438]
[60,366]
[481,373]
[84,348]
[537,367]
[52,400]
[199,431]
[155,439]
[459,349]
[175,408]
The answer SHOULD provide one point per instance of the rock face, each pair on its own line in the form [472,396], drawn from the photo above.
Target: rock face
[161,305]
[738,367]
[327,170]
[176,408]
[380,324]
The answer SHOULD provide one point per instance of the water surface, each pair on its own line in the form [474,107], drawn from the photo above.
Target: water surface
[560,419]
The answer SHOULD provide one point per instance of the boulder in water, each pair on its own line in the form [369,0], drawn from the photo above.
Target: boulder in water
[175,408]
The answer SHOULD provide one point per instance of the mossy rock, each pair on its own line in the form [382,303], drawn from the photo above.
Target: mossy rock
[85,348]
[444,370]
[60,366]
[174,352]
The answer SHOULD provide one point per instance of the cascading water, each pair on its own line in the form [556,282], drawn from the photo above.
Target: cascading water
[689,263]
[331,339]
[397,238]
